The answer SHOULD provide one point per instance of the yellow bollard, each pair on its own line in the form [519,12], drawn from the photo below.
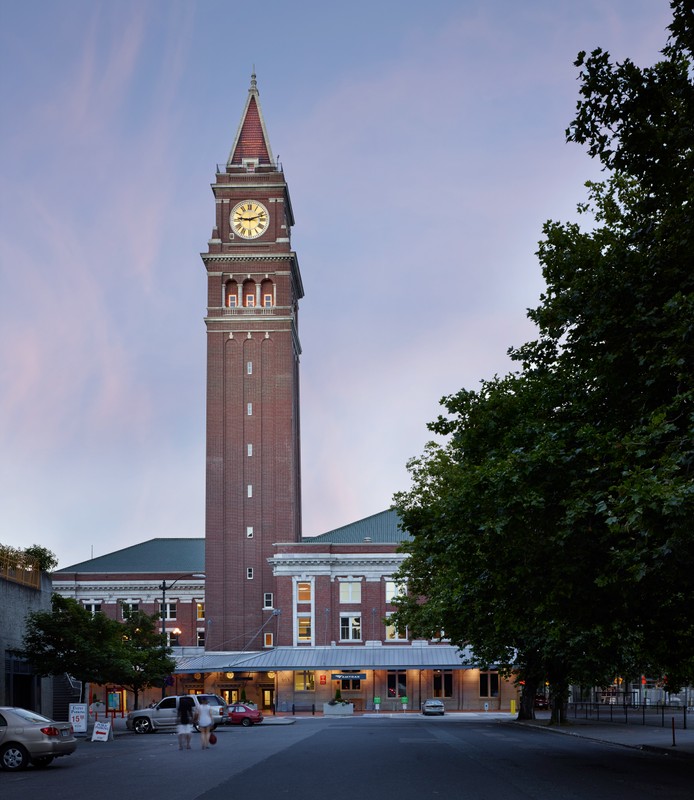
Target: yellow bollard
[513,706]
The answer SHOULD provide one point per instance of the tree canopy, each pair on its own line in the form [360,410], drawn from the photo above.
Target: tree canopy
[94,648]
[552,531]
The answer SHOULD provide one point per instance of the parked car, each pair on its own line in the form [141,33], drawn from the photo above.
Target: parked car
[164,715]
[541,701]
[433,706]
[243,714]
[30,738]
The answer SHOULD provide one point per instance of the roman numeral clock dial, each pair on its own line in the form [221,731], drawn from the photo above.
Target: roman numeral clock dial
[249,219]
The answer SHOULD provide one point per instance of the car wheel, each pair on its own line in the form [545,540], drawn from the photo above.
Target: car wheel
[246,722]
[14,757]
[42,761]
[142,725]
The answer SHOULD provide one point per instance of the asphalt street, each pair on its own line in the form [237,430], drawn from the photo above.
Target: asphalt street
[398,758]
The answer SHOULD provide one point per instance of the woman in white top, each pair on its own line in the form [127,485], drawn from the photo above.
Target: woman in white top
[204,721]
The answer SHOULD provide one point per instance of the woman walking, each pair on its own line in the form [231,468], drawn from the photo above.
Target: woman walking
[204,721]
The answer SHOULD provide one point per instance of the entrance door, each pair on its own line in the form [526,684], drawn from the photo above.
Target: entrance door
[268,699]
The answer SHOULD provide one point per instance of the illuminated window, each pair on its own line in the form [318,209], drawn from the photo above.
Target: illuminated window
[350,592]
[268,639]
[200,610]
[393,634]
[394,590]
[304,629]
[304,681]
[303,592]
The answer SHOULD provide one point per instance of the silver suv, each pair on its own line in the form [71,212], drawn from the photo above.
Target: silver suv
[163,716]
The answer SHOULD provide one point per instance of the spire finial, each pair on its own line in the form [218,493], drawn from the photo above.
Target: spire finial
[254,83]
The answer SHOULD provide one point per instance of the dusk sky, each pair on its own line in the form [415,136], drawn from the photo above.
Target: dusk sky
[424,147]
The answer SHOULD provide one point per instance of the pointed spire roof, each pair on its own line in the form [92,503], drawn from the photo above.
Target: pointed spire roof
[251,139]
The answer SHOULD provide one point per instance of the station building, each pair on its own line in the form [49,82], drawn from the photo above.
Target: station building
[278,618]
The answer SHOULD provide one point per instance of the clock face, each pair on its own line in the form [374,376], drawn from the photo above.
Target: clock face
[249,219]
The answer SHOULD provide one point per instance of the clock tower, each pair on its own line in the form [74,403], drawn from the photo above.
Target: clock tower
[253,486]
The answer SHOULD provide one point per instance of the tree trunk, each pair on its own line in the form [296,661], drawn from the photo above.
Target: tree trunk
[526,706]
[558,698]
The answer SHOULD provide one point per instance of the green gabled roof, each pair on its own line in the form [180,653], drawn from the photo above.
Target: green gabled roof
[156,555]
[381,528]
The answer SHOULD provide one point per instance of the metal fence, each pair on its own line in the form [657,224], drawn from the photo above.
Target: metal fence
[656,715]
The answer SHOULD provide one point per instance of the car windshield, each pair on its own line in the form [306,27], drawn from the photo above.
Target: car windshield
[213,699]
[30,716]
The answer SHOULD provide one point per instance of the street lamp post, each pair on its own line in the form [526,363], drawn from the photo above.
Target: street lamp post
[164,588]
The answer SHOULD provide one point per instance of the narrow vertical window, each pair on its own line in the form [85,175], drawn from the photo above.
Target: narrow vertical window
[249,449]
[249,532]
[267,600]
[250,490]
[249,409]
[249,573]
[267,300]
[249,367]
[267,640]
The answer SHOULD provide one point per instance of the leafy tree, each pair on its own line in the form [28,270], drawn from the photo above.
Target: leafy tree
[552,531]
[144,661]
[45,558]
[71,639]
[96,649]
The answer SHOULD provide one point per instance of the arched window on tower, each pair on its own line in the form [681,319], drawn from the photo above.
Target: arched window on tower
[231,294]
[249,294]
[267,293]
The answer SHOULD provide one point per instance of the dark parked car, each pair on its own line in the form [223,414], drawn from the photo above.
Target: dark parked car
[541,701]
[165,714]
[30,738]
[242,714]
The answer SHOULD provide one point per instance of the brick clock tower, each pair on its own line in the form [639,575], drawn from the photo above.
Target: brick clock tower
[253,455]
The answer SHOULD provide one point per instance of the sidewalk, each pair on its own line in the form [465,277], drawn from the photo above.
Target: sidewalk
[643,737]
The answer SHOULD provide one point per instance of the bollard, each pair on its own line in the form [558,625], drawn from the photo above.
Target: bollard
[513,707]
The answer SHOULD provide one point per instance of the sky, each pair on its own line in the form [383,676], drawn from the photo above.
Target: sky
[424,147]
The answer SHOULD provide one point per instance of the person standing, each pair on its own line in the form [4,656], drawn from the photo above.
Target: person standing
[204,720]
[184,729]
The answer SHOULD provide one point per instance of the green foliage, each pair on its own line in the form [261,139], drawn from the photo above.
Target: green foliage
[94,648]
[552,531]
[35,555]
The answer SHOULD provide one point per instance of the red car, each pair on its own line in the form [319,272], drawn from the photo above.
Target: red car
[242,714]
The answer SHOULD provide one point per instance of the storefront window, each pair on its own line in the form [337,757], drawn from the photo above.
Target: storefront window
[443,683]
[397,683]
[489,684]
[304,681]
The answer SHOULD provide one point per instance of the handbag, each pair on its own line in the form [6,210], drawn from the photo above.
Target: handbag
[213,738]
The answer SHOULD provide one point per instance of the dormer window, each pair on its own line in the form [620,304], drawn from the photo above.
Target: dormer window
[250,164]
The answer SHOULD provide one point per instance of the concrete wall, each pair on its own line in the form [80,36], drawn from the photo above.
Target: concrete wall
[18,685]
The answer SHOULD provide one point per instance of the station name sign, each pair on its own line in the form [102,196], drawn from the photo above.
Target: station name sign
[348,676]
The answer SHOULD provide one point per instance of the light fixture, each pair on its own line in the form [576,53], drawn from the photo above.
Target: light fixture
[230,675]
[271,675]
